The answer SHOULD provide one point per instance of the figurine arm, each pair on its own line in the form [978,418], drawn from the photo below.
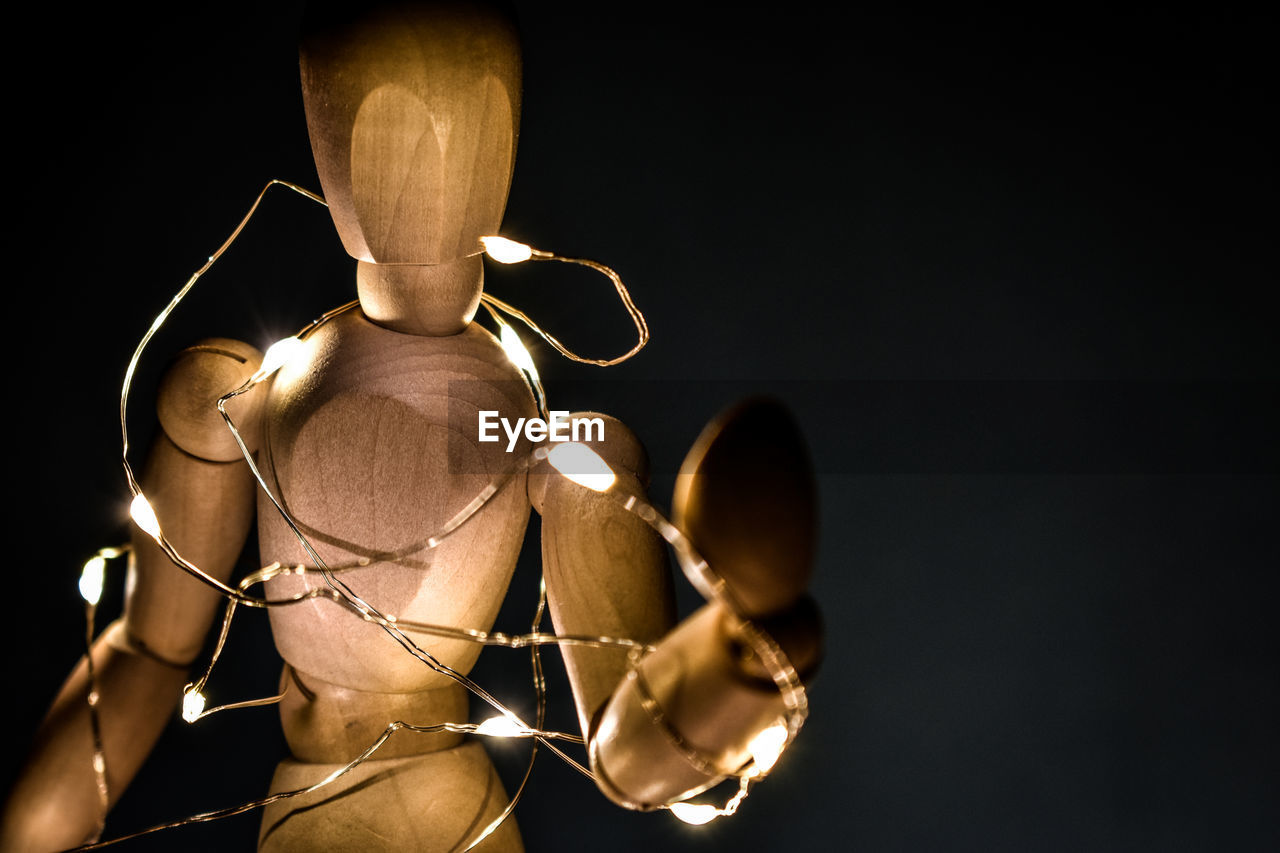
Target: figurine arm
[202,494]
[683,719]
[605,569]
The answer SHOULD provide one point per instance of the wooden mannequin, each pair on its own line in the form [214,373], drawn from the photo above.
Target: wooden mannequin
[368,436]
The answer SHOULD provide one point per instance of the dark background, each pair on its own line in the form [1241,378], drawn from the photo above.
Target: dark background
[1014,275]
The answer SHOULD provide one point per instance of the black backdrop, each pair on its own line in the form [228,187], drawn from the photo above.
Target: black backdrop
[1008,271]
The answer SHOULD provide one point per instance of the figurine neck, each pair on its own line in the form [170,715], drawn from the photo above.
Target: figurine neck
[433,300]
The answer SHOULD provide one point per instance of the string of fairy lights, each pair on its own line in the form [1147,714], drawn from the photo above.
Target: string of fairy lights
[575,461]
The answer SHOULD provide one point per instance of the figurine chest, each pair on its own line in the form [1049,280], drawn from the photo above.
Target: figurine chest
[370,443]
[373,436]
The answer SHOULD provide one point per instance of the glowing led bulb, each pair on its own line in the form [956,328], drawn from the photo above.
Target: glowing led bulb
[506,251]
[91,579]
[501,727]
[144,516]
[277,355]
[582,465]
[766,747]
[695,813]
[192,704]
[515,350]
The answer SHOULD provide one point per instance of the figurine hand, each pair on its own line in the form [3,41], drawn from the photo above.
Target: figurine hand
[745,496]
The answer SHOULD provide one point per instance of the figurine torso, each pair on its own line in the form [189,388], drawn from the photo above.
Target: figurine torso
[370,442]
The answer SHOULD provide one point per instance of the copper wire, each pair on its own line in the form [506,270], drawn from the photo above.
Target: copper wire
[336,590]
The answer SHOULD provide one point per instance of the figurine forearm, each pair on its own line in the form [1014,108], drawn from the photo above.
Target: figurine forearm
[685,717]
[55,803]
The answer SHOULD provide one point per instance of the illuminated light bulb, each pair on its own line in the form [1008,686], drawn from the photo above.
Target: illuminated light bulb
[515,350]
[192,704]
[695,814]
[506,251]
[91,579]
[766,747]
[278,354]
[501,727]
[144,516]
[582,465]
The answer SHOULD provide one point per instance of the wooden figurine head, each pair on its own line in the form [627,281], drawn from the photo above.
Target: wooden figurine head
[413,110]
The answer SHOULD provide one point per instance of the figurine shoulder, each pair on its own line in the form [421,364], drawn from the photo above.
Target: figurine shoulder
[610,439]
[187,402]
